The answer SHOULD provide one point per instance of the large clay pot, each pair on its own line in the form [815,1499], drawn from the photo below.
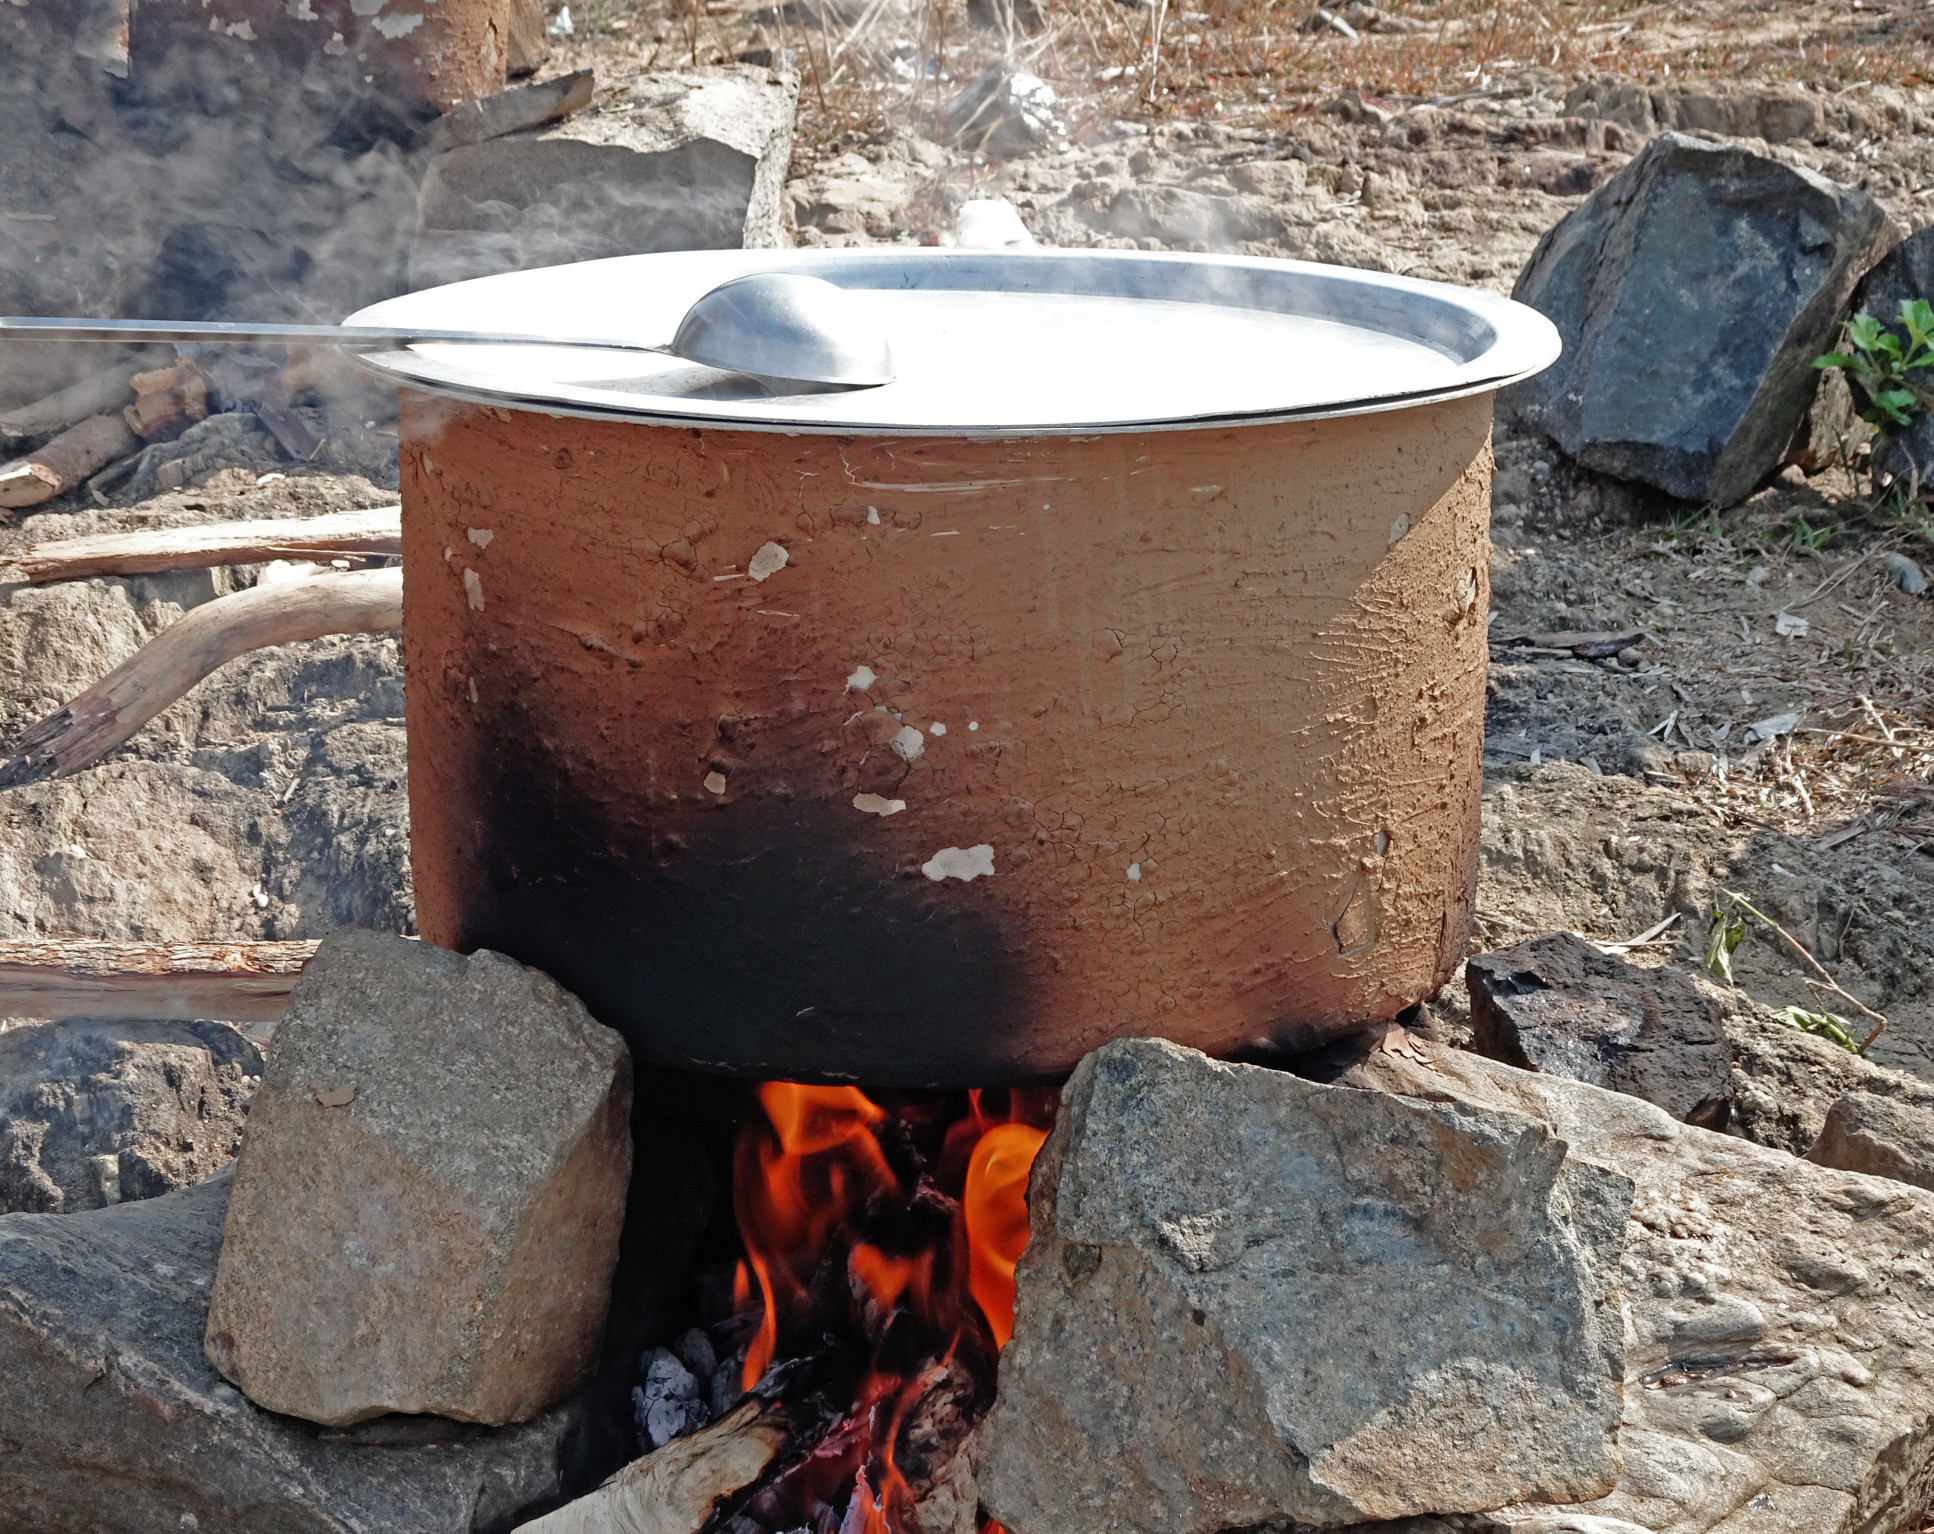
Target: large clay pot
[942,759]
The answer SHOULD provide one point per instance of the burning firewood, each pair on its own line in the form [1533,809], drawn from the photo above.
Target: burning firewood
[64,462]
[673,1490]
[93,724]
[166,401]
[377,531]
[81,977]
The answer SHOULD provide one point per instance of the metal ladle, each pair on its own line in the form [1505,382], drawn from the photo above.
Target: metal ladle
[778,325]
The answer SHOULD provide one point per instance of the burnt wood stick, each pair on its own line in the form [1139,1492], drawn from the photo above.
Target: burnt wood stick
[93,724]
[377,531]
[64,462]
[81,977]
[674,1490]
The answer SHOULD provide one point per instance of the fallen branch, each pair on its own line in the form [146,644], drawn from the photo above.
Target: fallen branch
[80,977]
[61,464]
[93,724]
[378,531]
[675,1489]
[1828,982]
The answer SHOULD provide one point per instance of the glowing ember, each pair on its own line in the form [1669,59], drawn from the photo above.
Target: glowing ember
[880,1244]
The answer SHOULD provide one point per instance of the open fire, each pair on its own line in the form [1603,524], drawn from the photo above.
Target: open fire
[877,1285]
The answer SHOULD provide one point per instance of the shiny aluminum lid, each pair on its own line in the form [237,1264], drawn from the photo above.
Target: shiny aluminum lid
[1025,342]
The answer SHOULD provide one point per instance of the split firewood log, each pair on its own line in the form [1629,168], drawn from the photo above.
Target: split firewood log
[377,531]
[61,977]
[102,392]
[64,462]
[93,724]
[167,401]
[673,1490]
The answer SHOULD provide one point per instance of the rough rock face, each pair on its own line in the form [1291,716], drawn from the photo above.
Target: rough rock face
[1168,1371]
[1880,1136]
[1781,1363]
[1705,1054]
[1557,1004]
[96,1112]
[428,1203]
[111,1420]
[1693,291]
[697,161]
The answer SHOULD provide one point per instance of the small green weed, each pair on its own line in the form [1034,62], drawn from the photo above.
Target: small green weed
[1878,364]
[1808,539]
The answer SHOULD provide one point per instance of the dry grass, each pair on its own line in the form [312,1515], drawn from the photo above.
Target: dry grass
[1252,62]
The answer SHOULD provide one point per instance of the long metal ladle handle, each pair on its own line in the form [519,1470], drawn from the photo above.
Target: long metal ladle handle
[137,332]
[782,325]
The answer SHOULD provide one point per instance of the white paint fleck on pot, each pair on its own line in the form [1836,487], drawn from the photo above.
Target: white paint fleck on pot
[907,743]
[768,562]
[473,589]
[480,536]
[861,679]
[874,804]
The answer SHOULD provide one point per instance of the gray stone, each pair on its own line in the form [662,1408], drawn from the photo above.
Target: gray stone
[96,1112]
[1780,1363]
[1693,292]
[692,160]
[428,1201]
[1249,1297]
[1880,1136]
[1556,1004]
[112,1422]
[1006,110]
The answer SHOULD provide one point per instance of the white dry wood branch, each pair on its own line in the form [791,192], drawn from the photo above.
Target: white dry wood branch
[377,531]
[93,724]
[675,1489]
[58,977]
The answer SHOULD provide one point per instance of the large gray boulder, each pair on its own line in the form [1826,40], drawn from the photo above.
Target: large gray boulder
[1247,1297]
[690,160]
[428,1201]
[94,1112]
[112,1421]
[1780,1367]
[1693,292]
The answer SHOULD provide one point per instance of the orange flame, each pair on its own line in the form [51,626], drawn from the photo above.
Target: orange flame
[793,1190]
[995,1206]
[812,1185]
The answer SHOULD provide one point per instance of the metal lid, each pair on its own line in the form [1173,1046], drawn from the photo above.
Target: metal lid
[990,342]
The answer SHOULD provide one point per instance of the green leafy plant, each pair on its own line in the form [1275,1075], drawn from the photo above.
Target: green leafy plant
[1725,933]
[1878,363]
[1827,1025]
